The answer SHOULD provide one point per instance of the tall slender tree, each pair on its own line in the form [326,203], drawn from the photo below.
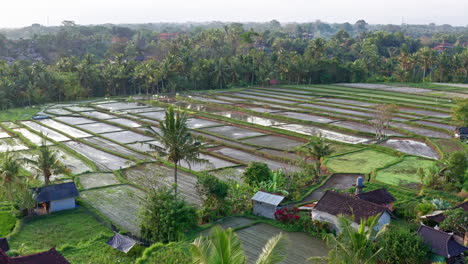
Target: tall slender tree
[177,141]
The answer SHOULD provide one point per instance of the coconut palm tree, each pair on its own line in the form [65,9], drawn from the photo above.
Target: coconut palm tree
[47,163]
[224,247]
[9,174]
[177,141]
[319,149]
[353,245]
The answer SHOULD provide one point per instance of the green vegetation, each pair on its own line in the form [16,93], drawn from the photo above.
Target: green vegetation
[256,173]
[171,253]
[7,220]
[404,172]
[364,161]
[165,218]
[15,114]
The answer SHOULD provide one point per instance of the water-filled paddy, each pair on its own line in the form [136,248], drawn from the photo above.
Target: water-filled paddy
[211,164]
[11,144]
[274,142]
[412,147]
[232,132]
[74,120]
[96,179]
[46,131]
[262,121]
[34,138]
[195,123]
[154,115]
[121,106]
[249,157]
[106,144]
[306,117]
[126,137]
[332,135]
[421,131]
[103,160]
[99,115]
[68,130]
[100,127]
[124,122]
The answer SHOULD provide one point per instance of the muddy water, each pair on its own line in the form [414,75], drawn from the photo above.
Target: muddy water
[74,120]
[68,130]
[273,100]
[346,101]
[439,125]
[412,147]
[99,115]
[338,110]
[195,123]
[116,148]
[11,144]
[125,122]
[211,164]
[121,106]
[126,137]
[340,181]
[425,112]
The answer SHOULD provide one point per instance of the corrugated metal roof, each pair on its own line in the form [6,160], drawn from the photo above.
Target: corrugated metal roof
[268,198]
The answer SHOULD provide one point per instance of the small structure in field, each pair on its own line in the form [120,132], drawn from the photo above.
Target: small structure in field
[441,243]
[380,196]
[4,244]
[333,204]
[265,204]
[47,257]
[461,133]
[121,243]
[56,197]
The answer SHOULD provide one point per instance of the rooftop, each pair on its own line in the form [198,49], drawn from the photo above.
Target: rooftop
[268,198]
[48,257]
[56,192]
[440,242]
[379,196]
[344,204]
[121,243]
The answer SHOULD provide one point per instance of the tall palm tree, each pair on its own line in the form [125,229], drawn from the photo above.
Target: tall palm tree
[317,148]
[9,174]
[178,143]
[353,245]
[224,247]
[47,163]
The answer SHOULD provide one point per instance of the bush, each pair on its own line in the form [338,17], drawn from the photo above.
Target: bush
[7,223]
[456,221]
[166,218]
[256,173]
[401,246]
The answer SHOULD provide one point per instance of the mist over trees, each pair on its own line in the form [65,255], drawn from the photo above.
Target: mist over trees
[43,64]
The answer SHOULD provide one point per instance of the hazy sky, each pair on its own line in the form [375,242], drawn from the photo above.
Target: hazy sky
[18,13]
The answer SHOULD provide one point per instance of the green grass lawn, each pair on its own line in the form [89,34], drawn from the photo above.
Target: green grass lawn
[404,172]
[7,221]
[17,114]
[360,162]
[75,233]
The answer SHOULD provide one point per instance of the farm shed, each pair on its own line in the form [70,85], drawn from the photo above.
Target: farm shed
[57,197]
[121,243]
[333,204]
[441,243]
[265,204]
[47,257]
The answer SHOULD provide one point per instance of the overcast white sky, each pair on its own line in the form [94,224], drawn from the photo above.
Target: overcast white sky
[18,13]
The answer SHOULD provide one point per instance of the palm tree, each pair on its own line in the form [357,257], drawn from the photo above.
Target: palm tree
[224,247]
[319,149]
[178,143]
[47,163]
[9,174]
[353,245]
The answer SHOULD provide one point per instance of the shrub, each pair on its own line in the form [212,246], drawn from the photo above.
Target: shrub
[256,173]
[455,221]
[165,218]
[401,246]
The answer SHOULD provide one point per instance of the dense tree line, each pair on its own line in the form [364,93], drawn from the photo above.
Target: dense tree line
[78,62]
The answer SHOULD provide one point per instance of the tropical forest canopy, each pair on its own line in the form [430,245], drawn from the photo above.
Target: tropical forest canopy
[42,64]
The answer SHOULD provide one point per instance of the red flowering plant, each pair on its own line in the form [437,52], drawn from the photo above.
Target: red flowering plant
[287,215]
